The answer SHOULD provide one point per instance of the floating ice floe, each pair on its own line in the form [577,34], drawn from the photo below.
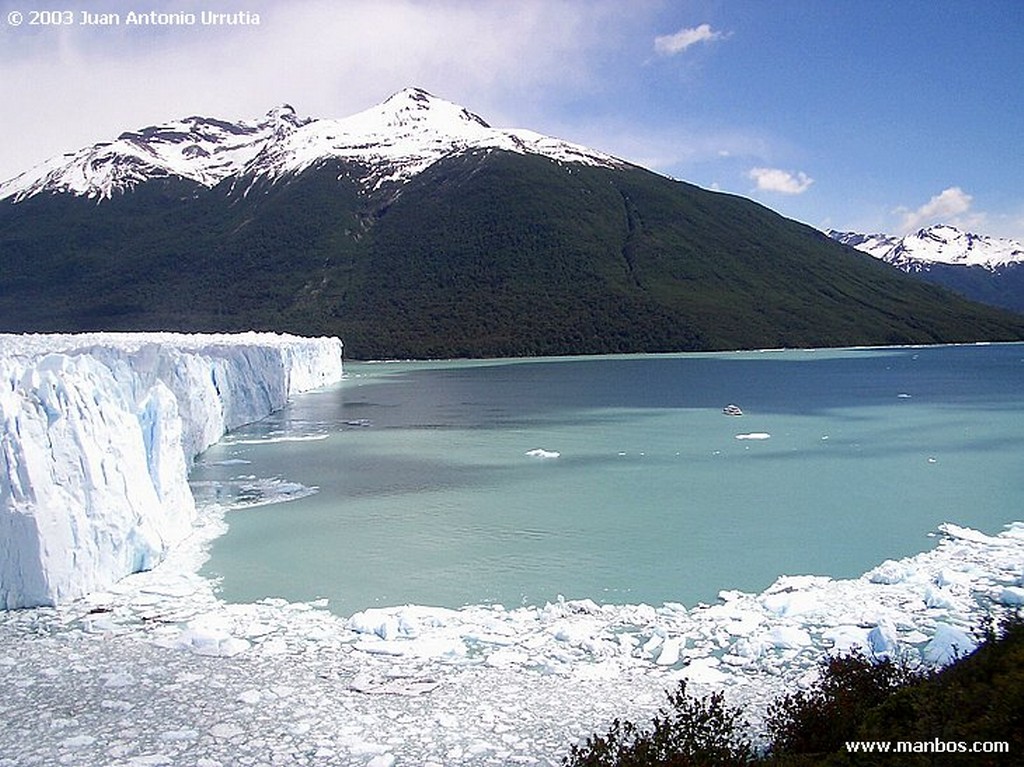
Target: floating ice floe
[1012,595]
[276,438]
[540,452]
[393,685]
[249,491]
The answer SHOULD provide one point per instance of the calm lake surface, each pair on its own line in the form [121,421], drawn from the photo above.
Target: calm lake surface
[427,491]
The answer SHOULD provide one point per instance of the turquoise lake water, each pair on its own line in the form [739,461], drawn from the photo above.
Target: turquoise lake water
[427,492]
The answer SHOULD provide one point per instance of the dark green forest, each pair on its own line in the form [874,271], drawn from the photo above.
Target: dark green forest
[485,254]
[1000,287]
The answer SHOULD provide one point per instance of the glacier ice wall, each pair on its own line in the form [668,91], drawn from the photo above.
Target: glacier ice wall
[97,433]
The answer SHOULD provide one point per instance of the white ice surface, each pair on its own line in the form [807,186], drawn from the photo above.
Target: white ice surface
[157,668]
[98,432]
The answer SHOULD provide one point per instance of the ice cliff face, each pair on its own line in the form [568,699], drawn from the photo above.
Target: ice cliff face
[97,433]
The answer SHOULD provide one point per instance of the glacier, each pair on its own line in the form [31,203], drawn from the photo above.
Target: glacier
[98,432]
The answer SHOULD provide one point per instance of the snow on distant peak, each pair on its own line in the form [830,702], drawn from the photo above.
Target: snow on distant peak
[938,244]
[406,134]
[949,245]
[414,105]
[876,245]
[394,140]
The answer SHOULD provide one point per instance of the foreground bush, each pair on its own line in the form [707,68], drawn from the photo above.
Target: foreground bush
[979,699]
[691,732]
[939,714]
[821,719]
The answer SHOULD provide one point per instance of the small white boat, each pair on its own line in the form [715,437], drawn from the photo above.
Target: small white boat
[732,410]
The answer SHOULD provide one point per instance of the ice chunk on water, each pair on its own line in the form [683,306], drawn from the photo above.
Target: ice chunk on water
[1012,595]
[889,572]
[705,671]
[846,639]
[789,637]
[393,685]
[939,598]
[797,595]
[669,655]
[248,492]
[78,741]
[947,645]
[226,730]
[386,624]
[883,640]
[540,452]
[969,534]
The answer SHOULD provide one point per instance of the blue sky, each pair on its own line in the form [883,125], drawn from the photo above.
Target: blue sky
[868,115]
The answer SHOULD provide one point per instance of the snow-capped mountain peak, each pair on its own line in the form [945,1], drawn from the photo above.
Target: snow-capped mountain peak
[414,106]
[938,244]
[403,136]
[393,141]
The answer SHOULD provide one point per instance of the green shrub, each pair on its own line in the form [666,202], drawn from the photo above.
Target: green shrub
[980,698]
[692,732]
[824,717]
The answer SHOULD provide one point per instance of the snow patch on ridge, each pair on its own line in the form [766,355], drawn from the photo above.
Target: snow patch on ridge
[99,431]
[200,149]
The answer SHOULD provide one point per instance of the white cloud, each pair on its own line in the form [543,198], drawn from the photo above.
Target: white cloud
[670,45]
[947,207]
[782,181]
[72,87]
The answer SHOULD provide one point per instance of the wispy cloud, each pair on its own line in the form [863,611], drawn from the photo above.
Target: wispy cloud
[670,45]
[947,207]
[782,181]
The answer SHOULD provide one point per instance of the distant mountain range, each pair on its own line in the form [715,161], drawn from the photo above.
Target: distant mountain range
[414,229]
[986,269]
